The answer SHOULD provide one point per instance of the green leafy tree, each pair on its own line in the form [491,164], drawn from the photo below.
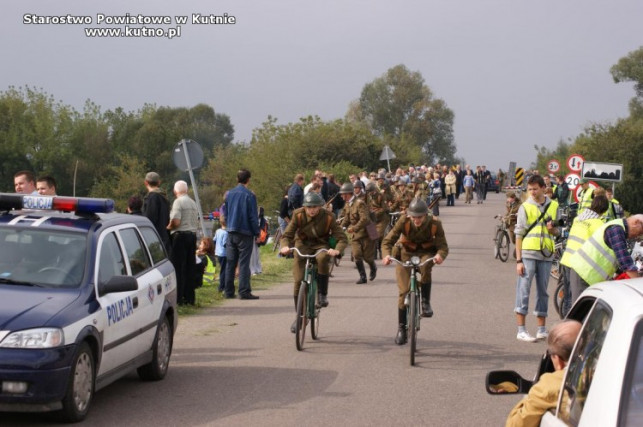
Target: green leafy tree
[399,104]
[630,69]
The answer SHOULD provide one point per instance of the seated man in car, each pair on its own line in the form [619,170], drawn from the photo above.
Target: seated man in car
[543,395]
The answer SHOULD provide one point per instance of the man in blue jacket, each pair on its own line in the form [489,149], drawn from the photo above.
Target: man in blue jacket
[243,229]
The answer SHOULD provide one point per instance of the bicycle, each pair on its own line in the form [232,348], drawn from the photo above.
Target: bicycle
[502,243]
[308,307]
[413,301]
[277,238]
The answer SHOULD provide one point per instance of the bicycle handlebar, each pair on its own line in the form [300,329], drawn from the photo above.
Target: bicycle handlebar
[409,264]
[308,256]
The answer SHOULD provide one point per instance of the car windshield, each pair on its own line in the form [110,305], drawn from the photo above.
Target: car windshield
[43,258]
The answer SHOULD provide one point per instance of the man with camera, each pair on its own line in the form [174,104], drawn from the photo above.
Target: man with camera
[535,237]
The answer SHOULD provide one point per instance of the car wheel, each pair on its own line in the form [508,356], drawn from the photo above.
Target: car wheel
[157,368]
[80,387]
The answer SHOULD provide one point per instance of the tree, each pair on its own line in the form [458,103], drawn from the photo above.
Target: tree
[400,105]
[630,69]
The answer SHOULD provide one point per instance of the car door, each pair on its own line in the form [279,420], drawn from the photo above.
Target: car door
[119,319]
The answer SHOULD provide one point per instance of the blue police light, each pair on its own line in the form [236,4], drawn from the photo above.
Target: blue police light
[56,203]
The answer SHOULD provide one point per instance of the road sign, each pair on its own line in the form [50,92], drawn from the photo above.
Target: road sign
[575,162]
[592,184]
[602,171]
[553,166]
[194,157]
[387,154]
[520,175]
[572,180]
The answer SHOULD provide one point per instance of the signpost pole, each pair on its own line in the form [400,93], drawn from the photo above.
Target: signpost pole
[183,144]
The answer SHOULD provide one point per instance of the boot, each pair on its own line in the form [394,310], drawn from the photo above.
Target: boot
[427,311]
[400,338]
[322,287]
[373,274]
[293,327]
[362,272]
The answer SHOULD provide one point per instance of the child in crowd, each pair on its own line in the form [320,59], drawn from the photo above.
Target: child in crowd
[220,239]
[206,263]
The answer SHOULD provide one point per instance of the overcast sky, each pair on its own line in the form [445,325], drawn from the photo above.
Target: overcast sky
[516,73]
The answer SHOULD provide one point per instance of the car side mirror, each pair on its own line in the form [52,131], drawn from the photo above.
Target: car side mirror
[506,382]
[118,284]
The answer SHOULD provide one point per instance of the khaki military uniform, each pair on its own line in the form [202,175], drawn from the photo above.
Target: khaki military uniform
[379,208]
[309,235]
[511,219]
[424,241]
[356,218]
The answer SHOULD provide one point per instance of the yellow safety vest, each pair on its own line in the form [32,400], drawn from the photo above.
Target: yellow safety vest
[594,261]
[532,241]
[611,212]
[210,271]
[578,234]
[585,199]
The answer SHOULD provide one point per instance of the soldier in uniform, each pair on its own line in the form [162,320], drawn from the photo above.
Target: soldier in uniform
[421,235]
[379,209]
[356,218]
[309,230]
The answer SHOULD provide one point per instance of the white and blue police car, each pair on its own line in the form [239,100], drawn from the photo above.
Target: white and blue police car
[86,296]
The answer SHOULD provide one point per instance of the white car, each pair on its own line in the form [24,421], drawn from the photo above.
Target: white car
[603,385]
[85,298]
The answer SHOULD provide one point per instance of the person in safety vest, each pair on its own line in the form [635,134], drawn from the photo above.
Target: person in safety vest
[584,226]
[415,233]
[585,196]
[535,234]
[615,210]
[603,252]
[309,230]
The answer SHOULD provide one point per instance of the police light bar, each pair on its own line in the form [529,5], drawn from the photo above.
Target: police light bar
[55,203]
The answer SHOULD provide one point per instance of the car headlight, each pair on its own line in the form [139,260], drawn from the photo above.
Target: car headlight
[34,338]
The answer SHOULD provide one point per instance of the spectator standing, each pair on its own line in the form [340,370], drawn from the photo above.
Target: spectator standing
[255,259]
[184,222]
[615,210]
[561,193]
[337,202]
[450,184]
[459,177]
[156,207]
[296,194]
[284,215]
[134,205]
[480,184]
[468,183]
[24,182]
[220,239]
[46,185]
[487,179]
[535,233]
[243,231]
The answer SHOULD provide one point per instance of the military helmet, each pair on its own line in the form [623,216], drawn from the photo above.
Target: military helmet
[371,187]
[312,199]
[417,207]
[358,184]
[418,180]
[346,188]
[382,175]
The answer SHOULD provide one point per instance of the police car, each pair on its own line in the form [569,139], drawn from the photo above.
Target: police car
[86,296]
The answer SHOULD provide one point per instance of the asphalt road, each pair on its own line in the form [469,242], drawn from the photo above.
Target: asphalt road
[237,364]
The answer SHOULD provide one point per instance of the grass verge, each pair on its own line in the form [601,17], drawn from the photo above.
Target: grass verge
[275,270]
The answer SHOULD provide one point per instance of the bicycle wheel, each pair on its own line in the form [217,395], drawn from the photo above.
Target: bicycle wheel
[558,298]
[300,332]
[413,318]
[503,246]
[275,244]
[313,314]
[496,239]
